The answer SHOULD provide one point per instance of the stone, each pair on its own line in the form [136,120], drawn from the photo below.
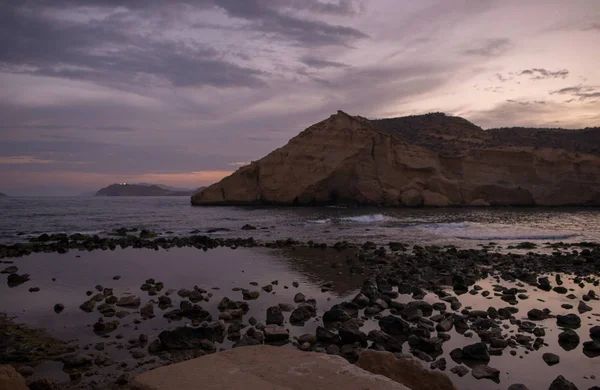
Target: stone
[88,306]
[77,360]
[147,311]
[335,315]
[474,352]
[264,367]
[14,280]
[11,379]
[595,332]
[460,370]
[129,301]
[394,326]
[250,295]
[44,383]
[486,372]
[286,307]
[407,372]
[275,333]
[518,386]
[299,316]
[274,316]
[58,308]
[583,307]
[568,339]
[550,358]
[536,315]
[560,383]
[568,321]
[10,270]
[299,297]
[102,328]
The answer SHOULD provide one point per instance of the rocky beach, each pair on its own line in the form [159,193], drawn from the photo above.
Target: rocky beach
[114,307]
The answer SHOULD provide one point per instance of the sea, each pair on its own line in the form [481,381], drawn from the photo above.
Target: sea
[26,217]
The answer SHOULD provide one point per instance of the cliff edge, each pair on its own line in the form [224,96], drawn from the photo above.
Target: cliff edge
[429,160]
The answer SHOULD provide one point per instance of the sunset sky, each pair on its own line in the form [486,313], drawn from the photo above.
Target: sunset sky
[184,92]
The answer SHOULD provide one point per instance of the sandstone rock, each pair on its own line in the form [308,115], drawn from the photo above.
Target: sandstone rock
[264,367]
[129,301]
[352,160]
[405,371]
[486,372]
[11,379]
[551,359]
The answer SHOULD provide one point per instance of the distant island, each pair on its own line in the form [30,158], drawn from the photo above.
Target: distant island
[1,194]
[423,160]
[124,189]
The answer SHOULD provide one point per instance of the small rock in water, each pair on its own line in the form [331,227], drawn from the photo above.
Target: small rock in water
[460,370]
[583,307]
[518,386]
[560,383]
[486,372]
[116,277]
[250,295]
[299,298]
[551,359]
[58,308]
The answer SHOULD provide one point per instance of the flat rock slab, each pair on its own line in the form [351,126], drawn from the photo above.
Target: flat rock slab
[263,367]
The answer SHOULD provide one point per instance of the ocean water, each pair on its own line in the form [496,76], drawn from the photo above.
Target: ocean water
[466,227]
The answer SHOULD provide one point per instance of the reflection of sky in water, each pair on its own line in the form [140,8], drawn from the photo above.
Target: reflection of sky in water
[177,268]
[226,269]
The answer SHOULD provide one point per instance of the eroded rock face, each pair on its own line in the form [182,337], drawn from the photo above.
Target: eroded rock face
[348,160]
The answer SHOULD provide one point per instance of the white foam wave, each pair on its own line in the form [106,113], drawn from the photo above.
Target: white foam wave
[320,221]
[370,218]
[517,236]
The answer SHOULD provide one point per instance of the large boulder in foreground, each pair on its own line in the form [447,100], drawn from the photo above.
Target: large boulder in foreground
[263,367]
[403,370]
[353,160]
[11,379]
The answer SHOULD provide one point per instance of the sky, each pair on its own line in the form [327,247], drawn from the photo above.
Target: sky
[183,93]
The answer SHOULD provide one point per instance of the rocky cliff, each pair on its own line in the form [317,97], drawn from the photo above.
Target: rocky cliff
[429,160]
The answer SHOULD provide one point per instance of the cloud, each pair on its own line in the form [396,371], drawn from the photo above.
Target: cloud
[24,160]
[490,48]
[592,27]
[541,113]
[238,163]
[320,63]
[541,73]
[582,92]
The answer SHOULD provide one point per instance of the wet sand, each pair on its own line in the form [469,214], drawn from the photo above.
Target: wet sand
[77,272]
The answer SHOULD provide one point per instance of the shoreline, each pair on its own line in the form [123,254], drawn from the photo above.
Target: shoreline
[410,302]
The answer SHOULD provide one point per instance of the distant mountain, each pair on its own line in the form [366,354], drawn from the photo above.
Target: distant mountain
[86,194]
[1,194]
[143,190]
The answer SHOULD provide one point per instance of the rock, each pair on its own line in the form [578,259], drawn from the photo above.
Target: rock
[186,338]
[385,341]
[10,270]
[286,307]
[394,326]
[568,321]
[350,333]
[560,383]
[26,371]
[129,301]
[58,308]
[536,315]
[102,328]
[147,311]
[77,360]
[106,310]
[88,306]
[274,316]
[445,325]
[361,300]
[439,364]
[568,339]
[40,384]
[486,372]
[474,352]
[326,336]
[335,315]
[560,289]
[14,280]
[275,333]
[10,379]
[518,386]
[268,288]
[299,316]
[405,371]
[123,379]
[287,176]
[250,295]
[299,297]
[460,370]
[551,359]
[265,367]
[184,293]
[583,307]
[195,296]
[592,346]
[595,332]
